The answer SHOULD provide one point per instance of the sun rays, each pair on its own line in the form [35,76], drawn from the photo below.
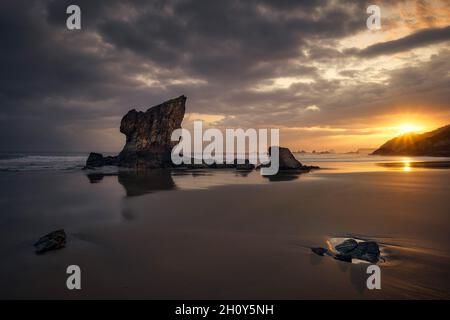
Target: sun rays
[408,128]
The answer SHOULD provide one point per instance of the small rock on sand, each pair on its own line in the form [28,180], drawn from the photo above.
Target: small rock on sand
[347,246]
[52,241]
[351,249]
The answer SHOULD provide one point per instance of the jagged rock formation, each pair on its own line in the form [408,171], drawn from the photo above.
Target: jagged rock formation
[287,159]
[434,143]
[289,167]
[148,143]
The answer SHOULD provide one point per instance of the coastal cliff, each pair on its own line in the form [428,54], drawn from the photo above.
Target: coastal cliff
[434,143]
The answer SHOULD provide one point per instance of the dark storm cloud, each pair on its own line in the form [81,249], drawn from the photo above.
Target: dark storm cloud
[58,88]
[221,39]
[415,40]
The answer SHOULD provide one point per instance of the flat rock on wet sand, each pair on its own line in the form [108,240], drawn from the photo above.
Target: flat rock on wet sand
[52,241]
[351,249]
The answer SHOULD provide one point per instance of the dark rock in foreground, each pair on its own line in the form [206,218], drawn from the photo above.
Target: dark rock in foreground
[52,241]
[351,249]
[347,246]
[367,250]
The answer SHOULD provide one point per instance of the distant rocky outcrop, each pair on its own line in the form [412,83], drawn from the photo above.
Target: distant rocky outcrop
[287,161]
[434,143]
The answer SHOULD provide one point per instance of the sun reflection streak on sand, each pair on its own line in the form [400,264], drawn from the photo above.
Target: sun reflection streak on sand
[406,164]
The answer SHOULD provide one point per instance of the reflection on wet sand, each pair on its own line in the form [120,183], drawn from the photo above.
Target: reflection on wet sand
[98,177]
[407,165]
[187,244]
[285,176]
[138,183]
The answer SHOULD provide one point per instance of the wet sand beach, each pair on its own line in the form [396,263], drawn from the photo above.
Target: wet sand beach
[225,234]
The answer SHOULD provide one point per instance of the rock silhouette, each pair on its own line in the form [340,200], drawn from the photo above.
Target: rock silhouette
[287,159]
[52,241]
[347,246]
[434,143]
[148,143]
[351,249]
[289,166]
[98,160]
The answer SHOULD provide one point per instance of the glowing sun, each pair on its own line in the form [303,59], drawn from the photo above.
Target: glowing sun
[408,128]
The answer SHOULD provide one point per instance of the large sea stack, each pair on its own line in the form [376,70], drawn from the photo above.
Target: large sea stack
[148,143]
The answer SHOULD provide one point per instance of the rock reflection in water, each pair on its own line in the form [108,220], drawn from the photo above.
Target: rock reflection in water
[285,176]
[137,183]
[140,182]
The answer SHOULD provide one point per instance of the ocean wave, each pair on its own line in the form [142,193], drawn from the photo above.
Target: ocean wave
[23,162]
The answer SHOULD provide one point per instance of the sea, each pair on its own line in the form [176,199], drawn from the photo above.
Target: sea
[41,161]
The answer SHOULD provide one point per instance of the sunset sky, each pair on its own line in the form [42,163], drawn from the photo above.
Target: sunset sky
[310,68]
